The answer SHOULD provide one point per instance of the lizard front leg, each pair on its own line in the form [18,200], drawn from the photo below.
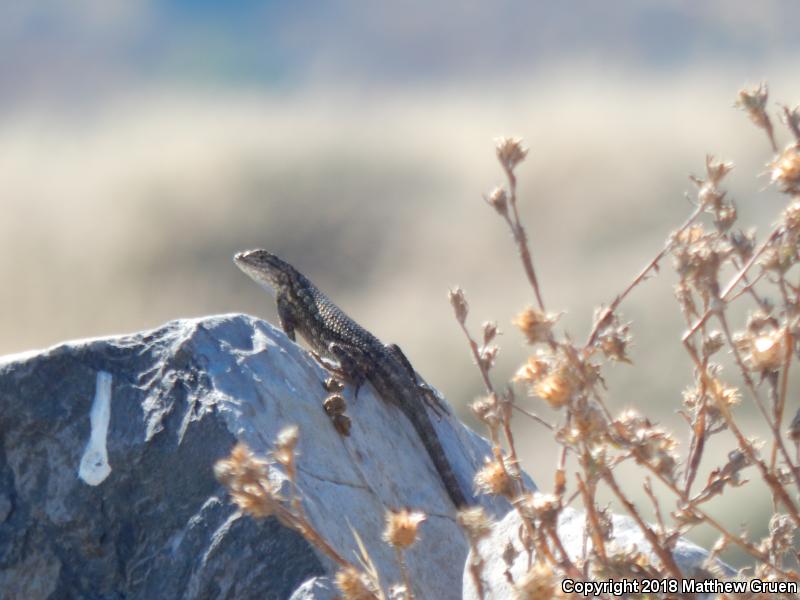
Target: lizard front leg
[286,317]
[350,360]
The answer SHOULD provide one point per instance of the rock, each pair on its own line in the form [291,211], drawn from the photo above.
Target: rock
[318,588]
[571,522]
[106,481]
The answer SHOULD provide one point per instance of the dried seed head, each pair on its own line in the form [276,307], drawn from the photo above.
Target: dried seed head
[785,170]
[647,444]
[475,522]
[754,102]
[763,345]
[539,583]
[489,332]
[614,339]
[510,152]
[532,371]
[724,396]
[355,585]
[247,479]
[401,527]
[542,507]
[698,257]
[589,422]
[486,411]
[556,388]
[459,303]
[743,243]
[494,479]
[498,200]
[791,216]
[779,258]
[716,170]
[713,343]
[488,355]
[536,324]
[725,216]
[791,116]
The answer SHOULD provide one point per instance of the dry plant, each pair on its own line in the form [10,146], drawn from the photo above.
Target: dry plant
[568,377]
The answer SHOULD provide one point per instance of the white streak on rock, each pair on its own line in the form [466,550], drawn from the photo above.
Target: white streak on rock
[94,463]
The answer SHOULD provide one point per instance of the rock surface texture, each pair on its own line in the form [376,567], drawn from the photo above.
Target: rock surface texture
[571,526]
[106,482]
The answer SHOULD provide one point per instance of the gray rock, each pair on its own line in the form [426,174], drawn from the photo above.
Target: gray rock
[317,588]
[571,524]
[106,482]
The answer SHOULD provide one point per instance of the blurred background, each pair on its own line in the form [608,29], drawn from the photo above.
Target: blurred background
[142,144]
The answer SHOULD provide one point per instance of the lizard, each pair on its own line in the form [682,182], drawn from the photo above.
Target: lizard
[361,356]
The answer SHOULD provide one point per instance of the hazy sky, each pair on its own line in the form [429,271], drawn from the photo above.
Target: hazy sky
[53,49]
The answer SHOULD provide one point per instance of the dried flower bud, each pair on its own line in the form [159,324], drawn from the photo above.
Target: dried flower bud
[539,583]
[498,200]
[791,216]
[485,410]
[247,479]
[724,396]
[743,243]
[459,303]
[543,507]
[488,354]
[589,422]
[614,341]
[754,102]
[785,170]
[401,527]
[533,370]
[475,522]
[355,585]
[781,534]
[556,388]
[716,170]
[536,324]
[489,332]
[494,479]
[713,343]
[725,216]
[648,444]
[791,116]
[510,152]
[763,347]
[779,258]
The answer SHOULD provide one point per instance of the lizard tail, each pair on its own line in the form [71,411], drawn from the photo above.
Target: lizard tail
[424,428]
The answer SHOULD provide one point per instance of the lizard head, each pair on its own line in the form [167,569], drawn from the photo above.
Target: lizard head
[264,268]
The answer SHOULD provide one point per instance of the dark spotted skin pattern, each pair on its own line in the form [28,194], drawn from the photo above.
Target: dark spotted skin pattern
[303,309]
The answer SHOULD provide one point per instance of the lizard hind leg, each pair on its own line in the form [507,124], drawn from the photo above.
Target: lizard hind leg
[428,394]
[349,364]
